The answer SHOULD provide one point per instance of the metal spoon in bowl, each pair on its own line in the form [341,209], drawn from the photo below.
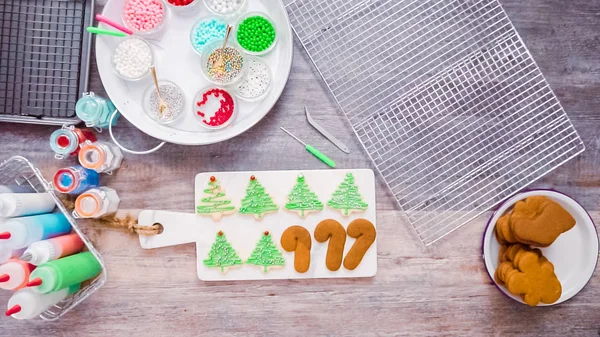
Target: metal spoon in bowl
[163,108]
[220,64]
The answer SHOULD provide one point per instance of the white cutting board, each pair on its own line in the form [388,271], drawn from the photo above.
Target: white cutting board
[243,231]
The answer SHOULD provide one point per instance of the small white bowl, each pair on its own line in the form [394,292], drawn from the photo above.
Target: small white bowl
[249,15]
[115,66]
[209,49]
[190,9]
[195,28]
[146,33]
[574,254]
[198,98]
[232,14]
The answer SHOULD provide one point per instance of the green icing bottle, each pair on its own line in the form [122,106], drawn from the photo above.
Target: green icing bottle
[65,272]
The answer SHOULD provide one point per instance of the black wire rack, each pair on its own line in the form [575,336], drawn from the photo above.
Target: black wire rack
[44,59]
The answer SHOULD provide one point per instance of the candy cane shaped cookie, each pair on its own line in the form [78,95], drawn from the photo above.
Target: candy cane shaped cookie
[336,234]
[364,232]
[297,239]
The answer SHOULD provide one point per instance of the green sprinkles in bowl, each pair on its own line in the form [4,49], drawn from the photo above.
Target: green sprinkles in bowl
[256,34]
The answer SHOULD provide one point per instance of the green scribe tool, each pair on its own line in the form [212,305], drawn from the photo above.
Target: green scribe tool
[100,31]
[313,151]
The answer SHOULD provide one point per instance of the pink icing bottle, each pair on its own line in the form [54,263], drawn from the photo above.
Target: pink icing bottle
[53,249]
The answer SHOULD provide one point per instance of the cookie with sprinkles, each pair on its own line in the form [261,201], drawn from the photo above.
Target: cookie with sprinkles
[257,201]
[214,202]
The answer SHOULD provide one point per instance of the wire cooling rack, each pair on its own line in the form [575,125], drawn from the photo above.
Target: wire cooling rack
[44,59]
[445,98]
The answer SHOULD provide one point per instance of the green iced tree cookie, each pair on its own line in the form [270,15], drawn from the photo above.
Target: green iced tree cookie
[214,202]
[222,255]
[302,200]
[257,202]
[266,254]
[346,198]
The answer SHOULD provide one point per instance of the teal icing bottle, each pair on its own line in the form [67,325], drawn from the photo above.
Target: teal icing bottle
[65,272]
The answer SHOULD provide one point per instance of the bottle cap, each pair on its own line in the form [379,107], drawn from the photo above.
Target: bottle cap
[89,109]
[92,156]
[65,180]
[64,141]
[88,204]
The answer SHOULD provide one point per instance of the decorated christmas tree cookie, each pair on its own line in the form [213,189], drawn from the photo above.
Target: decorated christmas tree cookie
[222,255]
[302,200]
[346,198]
[214,203]
[257,202]
[266,254]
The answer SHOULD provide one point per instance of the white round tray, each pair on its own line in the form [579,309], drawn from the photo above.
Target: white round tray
[574,254]
[175,60]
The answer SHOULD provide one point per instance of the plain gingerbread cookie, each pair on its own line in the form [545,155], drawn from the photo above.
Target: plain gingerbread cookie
[298,240]
[336,234]
[364,232]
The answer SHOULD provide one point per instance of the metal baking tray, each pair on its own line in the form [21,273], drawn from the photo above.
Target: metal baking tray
[44,59]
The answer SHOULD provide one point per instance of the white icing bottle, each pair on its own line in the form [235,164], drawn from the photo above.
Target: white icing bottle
[25,204]
[28,303]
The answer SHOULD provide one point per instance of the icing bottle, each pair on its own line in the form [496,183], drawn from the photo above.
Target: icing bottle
[27,303]
[75,180]
[6,253]
[19,233]
[95,110]
[52,249]
[100,156]
[14,274]
[16,189]
[65,272]
[24,204]
[96,203]
[65,141]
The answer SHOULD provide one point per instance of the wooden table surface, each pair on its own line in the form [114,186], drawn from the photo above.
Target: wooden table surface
[441,290]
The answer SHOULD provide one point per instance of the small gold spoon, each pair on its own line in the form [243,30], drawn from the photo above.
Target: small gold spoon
[220,64]
[162,105]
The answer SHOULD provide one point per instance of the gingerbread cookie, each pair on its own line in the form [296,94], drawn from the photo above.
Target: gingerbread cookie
[336,234]
[257,202]
[346,198]
[503,232]
[535,281]
[539,221]
[297,239]
[266,255]
[214,203]
[302,200]
[222,255]
[364,232]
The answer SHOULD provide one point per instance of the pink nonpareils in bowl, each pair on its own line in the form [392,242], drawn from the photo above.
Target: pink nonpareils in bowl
[144,16]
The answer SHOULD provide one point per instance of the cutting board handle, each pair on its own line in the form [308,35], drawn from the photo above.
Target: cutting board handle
[178,228]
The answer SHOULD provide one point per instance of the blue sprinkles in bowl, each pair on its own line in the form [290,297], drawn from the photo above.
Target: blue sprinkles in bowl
[205,31]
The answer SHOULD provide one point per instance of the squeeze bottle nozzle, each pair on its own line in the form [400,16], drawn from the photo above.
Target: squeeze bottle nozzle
[52,249]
